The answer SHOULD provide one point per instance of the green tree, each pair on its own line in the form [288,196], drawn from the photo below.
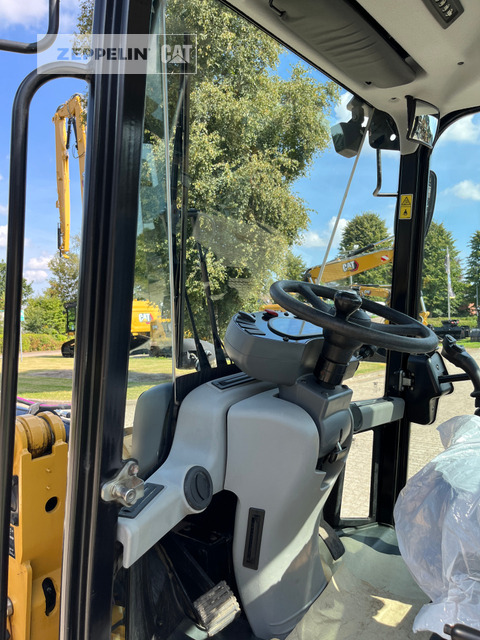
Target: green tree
[295,267]
[252,135]
[473,267]
[434,276]
[45,314]
[27,289]
[85,16]
[64,279]
[364,229]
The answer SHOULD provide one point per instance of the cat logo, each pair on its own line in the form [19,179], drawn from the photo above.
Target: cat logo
[350,267]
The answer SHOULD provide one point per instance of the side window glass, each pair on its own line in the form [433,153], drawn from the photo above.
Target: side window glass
[451,268]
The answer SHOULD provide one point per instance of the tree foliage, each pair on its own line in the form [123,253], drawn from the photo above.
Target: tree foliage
[64,279]
[364,229]
[253,133]
[27,289]
[434,276]
[45,314]
[295,267]
[473,266]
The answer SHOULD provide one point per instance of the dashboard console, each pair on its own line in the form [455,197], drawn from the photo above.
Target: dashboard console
[275,346]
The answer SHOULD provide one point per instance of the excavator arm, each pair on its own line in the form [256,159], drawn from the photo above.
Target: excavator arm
[68,118]
[350,265]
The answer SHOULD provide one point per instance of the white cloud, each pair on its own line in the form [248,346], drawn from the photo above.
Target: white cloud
[35,275]
[39,263]
[315,239]
[37,269]
[25,13]
[464,130]
[34,13]
[3,210]
[69,14]
[338,234]
[1,177]
[3,235]
[342,114]
[466,190]
[312,239]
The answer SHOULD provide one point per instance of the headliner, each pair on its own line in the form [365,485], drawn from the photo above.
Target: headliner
[345,44]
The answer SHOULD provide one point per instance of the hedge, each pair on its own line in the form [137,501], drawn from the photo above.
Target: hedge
[469,321]
[39,342]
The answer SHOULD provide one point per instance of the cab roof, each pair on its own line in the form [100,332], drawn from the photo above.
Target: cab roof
[384,50]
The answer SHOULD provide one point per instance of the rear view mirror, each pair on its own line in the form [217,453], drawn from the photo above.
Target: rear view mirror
[423,120]
[347,138]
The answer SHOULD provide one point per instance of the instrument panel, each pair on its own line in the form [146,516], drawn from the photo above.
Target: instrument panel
[275,346]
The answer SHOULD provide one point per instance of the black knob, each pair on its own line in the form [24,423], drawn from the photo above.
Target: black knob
[346,303]
[198,488]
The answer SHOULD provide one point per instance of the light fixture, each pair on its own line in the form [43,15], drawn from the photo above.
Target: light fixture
[445,11]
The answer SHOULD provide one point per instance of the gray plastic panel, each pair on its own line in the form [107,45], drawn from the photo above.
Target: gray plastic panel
[200,440]
[271,466]
[148,426]
[259,349]
[373,413]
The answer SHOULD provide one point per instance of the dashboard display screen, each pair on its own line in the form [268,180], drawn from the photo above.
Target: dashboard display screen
[294,328]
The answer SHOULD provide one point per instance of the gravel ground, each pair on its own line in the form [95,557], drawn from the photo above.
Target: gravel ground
[424,442]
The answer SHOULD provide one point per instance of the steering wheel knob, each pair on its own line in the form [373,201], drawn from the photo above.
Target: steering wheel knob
[346,303]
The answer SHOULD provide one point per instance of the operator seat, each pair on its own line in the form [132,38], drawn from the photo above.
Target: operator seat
[152,428]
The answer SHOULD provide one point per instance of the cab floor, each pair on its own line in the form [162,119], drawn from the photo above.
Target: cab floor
[370,594]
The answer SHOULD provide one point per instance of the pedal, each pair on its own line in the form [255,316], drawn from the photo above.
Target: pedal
[217,608]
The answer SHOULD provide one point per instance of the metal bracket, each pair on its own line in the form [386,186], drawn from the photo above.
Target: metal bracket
[126,487]
[404,381]
[279,13]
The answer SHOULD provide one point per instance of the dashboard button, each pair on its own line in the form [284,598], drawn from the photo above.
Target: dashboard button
[246,317]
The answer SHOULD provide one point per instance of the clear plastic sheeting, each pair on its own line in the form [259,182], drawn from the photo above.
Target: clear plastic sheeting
[437,518]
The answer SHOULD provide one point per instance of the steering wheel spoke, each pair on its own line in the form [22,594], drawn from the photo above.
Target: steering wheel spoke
[316,302]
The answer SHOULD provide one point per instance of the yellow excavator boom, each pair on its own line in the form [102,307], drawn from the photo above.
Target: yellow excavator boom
[68,117]
[350,265]
[368,291]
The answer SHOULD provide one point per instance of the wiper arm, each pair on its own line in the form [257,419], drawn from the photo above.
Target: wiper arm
[217,343]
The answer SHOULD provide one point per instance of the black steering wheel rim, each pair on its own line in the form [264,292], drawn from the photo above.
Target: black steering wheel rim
[406,334]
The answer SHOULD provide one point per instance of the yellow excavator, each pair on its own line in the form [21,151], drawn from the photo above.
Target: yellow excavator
[352,264]
[359,261]
[147,321]
[147,325]
[68,117]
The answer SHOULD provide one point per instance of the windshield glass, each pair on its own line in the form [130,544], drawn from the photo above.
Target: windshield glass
[255,184]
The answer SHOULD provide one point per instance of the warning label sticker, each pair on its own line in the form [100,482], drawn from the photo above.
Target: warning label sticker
[406,202]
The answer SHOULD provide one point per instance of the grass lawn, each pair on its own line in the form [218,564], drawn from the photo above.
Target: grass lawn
[369,367]
[50,377]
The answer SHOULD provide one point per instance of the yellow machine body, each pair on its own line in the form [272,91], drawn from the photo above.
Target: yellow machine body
[351,266]
[36,526]
[70,113]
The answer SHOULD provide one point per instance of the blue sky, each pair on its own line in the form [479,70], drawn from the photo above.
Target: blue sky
[456,161]
[22,22]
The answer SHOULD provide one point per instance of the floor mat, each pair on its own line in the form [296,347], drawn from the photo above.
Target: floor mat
[371,595]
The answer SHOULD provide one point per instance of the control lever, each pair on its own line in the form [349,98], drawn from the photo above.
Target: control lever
[458,355]
[461,632]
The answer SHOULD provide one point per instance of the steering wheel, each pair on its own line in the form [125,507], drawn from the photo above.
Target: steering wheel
[346,320]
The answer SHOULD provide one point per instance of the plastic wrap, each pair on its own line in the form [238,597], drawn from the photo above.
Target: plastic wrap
[437,518]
